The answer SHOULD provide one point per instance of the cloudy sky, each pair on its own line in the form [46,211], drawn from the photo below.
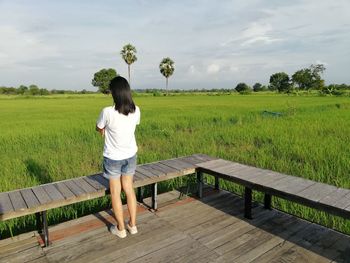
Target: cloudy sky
[215,44]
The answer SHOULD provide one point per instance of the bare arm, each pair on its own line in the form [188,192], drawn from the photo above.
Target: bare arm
[101,131]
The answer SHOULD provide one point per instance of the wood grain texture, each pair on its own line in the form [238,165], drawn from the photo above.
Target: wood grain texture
[5,203]
[30,198]
[17,201]
[189,230]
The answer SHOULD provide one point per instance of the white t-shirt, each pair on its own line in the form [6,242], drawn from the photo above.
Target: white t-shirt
[120,142]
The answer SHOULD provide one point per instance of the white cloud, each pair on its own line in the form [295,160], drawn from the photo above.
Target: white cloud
[255,33]
[17,47]
[213,68]
[192,70]
[234,68]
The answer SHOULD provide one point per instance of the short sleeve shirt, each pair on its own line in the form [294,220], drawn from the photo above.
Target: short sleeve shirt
[120,142]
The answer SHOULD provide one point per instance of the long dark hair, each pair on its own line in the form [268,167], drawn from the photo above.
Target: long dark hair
[121,93]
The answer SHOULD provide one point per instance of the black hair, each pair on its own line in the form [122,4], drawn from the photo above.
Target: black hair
[121,94]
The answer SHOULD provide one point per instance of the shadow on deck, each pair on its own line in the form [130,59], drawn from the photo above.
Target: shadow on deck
[186,230]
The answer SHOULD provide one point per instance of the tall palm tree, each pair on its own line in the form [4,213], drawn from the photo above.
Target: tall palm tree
[129,55]
[167,69]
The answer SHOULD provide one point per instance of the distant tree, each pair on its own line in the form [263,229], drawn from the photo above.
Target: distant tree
[280,81]
[44,92]
[242,87]
[22,89]
[34,90]
[303,79]
[167,69]
[343,86]
[257,87]
[129,55]
[102,79]
[334,89]
[264,88]
[8,90]
[309,78]
[316,71]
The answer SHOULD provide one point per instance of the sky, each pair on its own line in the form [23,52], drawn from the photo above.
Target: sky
[215,44]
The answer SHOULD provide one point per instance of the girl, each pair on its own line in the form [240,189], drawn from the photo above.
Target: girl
[117,124]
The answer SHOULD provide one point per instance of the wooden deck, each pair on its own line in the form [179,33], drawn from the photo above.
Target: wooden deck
[188,230]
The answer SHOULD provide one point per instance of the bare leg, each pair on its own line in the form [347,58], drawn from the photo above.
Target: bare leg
[115,188]
[127,182]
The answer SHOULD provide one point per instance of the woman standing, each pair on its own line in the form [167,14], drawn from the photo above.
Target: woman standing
[117,124]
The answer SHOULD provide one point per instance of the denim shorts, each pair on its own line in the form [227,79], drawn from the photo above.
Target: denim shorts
[116,168]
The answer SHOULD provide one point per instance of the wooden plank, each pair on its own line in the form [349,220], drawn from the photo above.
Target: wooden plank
[215,164]
[5,203]
[64,190]
[191,160]
[175,163]
[282,183]
[316,191]
[152,169]
[228,168]
[53,192]
[76,190]
[255,242]
[102,180]
[41,195]
[94,183]
[205,157]
[145,172]
[247,172]
[17,247]
[17,201]
[337,198]
[30,198]
[295,185]
[343,202]
[294,247]
[84,185]
[166,169]
[265,179]
[139,176]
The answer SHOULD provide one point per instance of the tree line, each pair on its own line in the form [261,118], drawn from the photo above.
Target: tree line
[305,79]
[34,90]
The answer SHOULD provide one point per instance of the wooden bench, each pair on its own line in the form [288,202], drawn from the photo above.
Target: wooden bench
[37,200]
[317,195]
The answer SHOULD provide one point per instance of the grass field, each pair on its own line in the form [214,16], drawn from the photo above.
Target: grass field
[50,139]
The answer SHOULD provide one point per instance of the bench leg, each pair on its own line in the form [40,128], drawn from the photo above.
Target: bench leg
[217,183]
[248,203]
[199,184]
[154,196]
[43,229]
[39,225]
[140,194]
[267,201]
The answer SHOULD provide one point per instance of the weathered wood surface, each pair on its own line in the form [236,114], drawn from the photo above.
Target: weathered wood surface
[44,197]
[189,230]
[310,193]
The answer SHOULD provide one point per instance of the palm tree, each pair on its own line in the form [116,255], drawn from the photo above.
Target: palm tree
[167,69]
[129,55]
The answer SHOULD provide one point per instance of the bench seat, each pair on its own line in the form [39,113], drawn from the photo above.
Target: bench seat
[317,195]
[35,199]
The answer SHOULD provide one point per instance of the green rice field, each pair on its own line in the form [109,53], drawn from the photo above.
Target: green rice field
[47,139]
